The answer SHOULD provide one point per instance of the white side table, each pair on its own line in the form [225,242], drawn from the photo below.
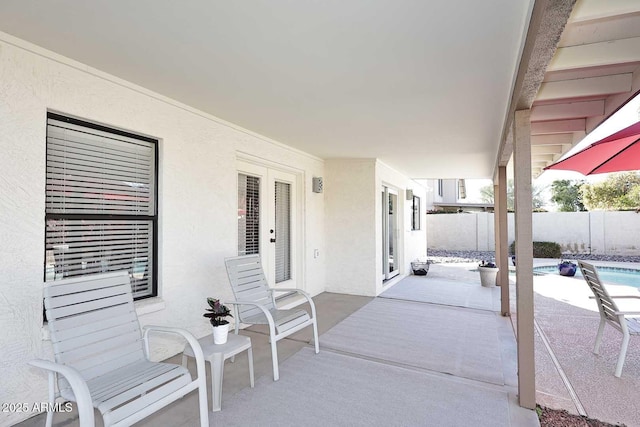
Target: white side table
[216,354]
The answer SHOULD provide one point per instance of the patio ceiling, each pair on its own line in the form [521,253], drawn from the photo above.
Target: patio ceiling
[595,70]
[423,86]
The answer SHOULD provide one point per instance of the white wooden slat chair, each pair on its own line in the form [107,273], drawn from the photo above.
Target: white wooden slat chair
[609,313]
[255,304]
[102,355]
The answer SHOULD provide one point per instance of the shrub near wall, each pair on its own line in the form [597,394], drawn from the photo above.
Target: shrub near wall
[541,249]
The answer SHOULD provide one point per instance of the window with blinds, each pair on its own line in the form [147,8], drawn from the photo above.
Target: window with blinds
[248,214]
[101,212]
[415,217]
[283,231]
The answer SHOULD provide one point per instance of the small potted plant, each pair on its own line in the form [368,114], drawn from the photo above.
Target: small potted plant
[488,273]
[567,268]
[216,314]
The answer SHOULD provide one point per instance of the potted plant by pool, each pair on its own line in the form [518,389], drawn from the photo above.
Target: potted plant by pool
[567,268]
[216,314]
[488,273]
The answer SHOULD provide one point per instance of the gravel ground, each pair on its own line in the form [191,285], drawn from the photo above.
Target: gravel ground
[445,256]
[561,418]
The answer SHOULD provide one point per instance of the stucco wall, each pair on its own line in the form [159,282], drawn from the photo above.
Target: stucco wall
[350,195]
[621,232]
[569,229]
[598,232]
[197,201]
[353,207]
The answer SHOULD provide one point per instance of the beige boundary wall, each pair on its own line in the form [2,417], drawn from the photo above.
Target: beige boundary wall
[598,232]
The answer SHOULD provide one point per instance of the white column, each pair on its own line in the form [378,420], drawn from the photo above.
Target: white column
[502,239]
[524,258]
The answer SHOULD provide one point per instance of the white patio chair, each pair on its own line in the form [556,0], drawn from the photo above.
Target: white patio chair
[609,313]
[102,356]
[255,304]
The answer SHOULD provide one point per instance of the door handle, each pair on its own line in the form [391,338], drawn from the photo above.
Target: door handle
[272,240]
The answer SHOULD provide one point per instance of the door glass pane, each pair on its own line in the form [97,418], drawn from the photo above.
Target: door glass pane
[415,218]
[283,231]
[248,214]
[393,218]
[385,248]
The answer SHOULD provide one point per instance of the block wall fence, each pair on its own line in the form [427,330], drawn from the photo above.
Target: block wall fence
[597,232]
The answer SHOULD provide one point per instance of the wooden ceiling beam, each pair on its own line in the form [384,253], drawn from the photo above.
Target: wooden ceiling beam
[547,149]
[596,55]
[557,139]
[558,126]
[589,87]
[569,110]
[592,10]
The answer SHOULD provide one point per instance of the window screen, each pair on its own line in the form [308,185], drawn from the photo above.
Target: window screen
[248,214]
[100,203]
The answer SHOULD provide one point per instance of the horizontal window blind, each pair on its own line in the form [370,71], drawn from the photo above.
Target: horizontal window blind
[248,214]
[100,203]
[90,171]
[78,247]
[283,231]
[415,217]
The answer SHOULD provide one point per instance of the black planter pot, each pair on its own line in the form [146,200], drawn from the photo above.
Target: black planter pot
[568,270]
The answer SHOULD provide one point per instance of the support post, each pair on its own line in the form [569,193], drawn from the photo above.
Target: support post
[502,239]
[524,259]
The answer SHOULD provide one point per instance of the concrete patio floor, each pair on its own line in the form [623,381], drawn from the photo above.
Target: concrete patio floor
[568,375]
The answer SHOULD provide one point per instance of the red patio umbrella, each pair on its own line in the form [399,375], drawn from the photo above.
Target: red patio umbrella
[615,153]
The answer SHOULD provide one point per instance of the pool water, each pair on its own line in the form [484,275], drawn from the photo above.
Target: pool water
[614,275]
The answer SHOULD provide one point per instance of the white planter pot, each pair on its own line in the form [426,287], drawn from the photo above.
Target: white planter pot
[488,276]
[220,334]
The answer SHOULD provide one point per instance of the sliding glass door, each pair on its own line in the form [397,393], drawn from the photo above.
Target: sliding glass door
[390,261]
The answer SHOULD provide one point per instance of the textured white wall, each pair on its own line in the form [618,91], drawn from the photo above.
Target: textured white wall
[415,240]
[431,195]
[197,201]
[598,232]
[353,205]
[450,190]
[350,197]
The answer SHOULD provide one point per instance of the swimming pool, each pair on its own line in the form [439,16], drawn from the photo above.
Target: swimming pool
[614,275]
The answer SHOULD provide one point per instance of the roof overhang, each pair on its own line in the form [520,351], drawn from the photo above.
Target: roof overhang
[593,72]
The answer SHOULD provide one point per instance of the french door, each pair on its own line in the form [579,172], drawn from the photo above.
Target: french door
[390,214]
[267,220]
